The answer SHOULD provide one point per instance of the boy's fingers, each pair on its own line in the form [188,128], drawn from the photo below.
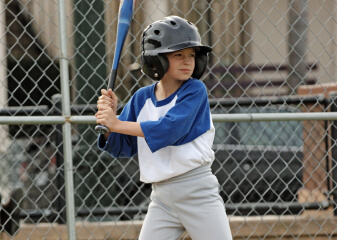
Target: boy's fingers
[104,92]
[108,98]
[114,97]
[104,100]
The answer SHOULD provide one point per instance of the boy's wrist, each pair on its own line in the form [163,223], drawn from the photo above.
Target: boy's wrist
[115,125]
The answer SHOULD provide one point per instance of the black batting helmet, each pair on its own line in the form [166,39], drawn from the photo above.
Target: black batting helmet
[171,34]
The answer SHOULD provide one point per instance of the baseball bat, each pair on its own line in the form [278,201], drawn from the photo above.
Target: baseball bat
[125,12]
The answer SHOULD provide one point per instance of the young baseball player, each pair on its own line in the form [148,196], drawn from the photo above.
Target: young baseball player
[169,125]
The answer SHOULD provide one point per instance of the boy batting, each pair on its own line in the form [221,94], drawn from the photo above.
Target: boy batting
[169,125]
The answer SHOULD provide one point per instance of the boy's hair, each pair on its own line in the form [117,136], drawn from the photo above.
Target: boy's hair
[171,34]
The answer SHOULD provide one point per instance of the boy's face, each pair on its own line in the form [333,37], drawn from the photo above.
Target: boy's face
[181,64]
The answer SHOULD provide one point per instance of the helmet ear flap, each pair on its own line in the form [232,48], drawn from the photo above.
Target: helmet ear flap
[164,63]
[151,68]
[200,65]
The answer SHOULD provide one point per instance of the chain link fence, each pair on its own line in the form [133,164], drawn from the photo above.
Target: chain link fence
[271,80]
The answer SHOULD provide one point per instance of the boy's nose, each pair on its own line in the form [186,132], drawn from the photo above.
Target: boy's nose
[187,59]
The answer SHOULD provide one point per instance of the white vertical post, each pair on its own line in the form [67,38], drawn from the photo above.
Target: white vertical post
[67,145]
[3,72]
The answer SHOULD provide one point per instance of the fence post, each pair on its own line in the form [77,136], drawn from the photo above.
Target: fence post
[66,128]
[333,97]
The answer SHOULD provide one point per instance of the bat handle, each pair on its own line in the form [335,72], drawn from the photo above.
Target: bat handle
[101,129]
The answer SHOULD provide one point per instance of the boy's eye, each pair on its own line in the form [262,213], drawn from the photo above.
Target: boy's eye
[180,55]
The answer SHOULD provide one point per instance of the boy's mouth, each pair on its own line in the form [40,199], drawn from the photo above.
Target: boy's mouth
[185,70]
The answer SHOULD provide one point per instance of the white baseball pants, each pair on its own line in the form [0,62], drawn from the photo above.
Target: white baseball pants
[188,202]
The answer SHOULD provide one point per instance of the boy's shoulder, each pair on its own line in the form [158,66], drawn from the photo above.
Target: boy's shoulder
[193,84]
[146,90]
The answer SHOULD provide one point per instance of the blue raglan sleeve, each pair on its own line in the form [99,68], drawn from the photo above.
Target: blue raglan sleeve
[121,145]
[186,120]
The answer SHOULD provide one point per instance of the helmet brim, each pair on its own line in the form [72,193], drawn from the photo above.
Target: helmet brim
[181,46]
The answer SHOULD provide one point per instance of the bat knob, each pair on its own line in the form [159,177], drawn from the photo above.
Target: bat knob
[101,129]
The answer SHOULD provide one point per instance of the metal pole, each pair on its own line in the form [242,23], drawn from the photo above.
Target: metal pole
[67,145]
[233,117]
[333,174]
[298,27]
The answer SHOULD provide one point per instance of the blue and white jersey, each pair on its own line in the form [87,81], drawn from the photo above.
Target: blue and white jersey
[178,132]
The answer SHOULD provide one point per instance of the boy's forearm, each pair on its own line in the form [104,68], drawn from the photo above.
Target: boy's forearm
[128,128]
